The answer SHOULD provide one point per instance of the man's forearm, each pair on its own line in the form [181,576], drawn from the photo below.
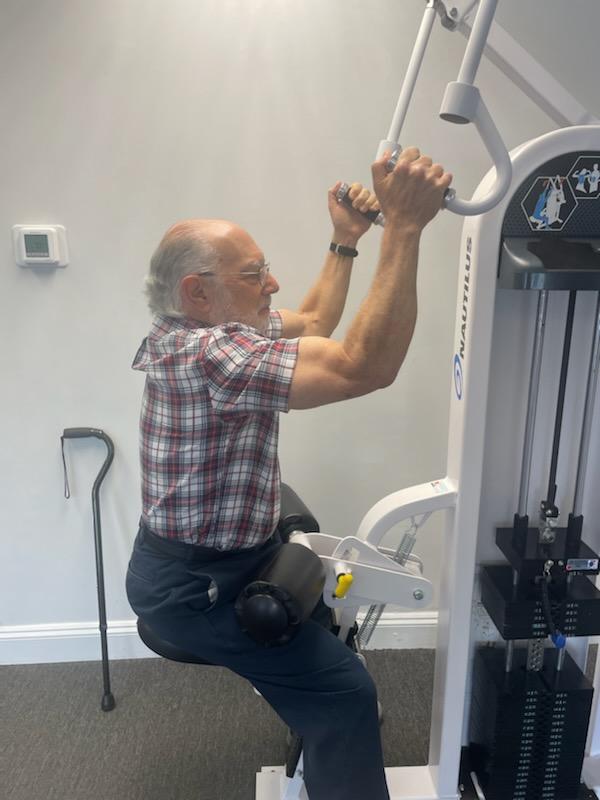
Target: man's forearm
[379,336]
[325,301]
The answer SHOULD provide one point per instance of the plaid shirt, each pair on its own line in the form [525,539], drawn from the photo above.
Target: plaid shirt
[208,430]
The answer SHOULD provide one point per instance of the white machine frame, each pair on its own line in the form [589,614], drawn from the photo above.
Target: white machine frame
[377,578]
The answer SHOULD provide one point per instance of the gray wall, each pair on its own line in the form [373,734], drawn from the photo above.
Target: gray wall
[123,116]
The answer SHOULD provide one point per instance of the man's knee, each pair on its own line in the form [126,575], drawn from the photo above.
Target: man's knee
[356,685]
[368,690]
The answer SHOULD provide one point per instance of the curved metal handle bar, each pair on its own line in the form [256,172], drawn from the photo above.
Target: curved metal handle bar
[462,104]
[461,94]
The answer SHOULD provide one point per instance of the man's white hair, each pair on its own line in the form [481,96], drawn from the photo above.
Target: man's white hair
[182,251]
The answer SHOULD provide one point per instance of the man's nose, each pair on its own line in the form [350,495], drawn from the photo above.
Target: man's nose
[271,286]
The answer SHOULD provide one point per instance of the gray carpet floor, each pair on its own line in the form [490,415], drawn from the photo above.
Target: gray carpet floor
[178,732]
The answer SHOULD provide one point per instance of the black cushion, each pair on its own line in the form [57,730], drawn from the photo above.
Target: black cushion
[294,515]
[166,649]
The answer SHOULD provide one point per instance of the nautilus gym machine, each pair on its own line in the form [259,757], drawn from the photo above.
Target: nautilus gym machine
[509,721]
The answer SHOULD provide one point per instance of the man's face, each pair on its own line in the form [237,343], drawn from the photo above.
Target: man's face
[241,294]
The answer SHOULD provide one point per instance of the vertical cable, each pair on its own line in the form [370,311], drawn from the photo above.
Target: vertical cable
[534,385]
[590,396]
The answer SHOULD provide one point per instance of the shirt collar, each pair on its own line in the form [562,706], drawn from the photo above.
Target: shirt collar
[162,325]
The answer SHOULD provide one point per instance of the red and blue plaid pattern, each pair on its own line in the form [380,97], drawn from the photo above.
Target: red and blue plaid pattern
[209,427]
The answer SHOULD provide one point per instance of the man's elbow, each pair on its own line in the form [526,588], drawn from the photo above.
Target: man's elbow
[387,380]
[373,382]
[384,379]
[388,373]
[316,325]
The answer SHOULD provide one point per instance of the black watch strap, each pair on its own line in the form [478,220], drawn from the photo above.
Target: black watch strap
[343,251]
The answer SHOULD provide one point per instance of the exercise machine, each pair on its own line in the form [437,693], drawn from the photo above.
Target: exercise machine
[529,265]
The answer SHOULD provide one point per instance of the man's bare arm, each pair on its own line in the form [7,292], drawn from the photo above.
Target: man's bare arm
[375,346]
[323,306]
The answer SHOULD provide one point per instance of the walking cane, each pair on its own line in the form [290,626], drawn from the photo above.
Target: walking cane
[108,701]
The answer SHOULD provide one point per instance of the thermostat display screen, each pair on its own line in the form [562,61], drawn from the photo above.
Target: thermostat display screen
[43,246]
[36,245]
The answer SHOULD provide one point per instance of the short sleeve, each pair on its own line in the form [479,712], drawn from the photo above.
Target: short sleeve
[246,371]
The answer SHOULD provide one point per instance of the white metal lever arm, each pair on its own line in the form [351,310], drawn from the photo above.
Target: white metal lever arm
[462,103]
[401,505]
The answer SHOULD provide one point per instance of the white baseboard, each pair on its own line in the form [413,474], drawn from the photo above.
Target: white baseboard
[80,641]
[404,630]
[69,641]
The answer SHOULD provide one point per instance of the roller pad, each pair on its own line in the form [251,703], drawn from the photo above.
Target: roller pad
[294,514]
[272,608]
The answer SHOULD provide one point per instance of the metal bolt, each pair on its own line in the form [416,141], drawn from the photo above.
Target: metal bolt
[548,535]
[418,594]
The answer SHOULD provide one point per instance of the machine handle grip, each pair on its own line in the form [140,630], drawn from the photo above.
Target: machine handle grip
[376,217]
[342,196]
[462,104]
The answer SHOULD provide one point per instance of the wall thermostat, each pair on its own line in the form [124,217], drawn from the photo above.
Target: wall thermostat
[40,245]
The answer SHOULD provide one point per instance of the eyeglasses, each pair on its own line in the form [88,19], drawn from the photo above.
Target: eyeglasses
[259,275]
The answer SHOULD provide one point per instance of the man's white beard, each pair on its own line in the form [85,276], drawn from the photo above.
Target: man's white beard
[227,311]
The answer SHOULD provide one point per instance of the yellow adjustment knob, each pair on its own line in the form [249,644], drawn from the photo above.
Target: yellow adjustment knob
[344,582]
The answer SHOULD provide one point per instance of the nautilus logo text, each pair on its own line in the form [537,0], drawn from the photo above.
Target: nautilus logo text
[462,336]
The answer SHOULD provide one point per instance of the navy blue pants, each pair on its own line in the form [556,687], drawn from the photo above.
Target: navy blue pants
[316,684]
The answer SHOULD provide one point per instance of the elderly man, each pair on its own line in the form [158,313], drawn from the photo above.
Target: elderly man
[220,365]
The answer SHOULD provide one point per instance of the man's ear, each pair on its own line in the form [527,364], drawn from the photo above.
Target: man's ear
[195,293]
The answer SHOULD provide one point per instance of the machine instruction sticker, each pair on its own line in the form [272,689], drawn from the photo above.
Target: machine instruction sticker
[551,200]
[549,203]
[584,178]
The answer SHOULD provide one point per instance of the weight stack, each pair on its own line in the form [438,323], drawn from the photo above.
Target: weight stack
[528,728]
